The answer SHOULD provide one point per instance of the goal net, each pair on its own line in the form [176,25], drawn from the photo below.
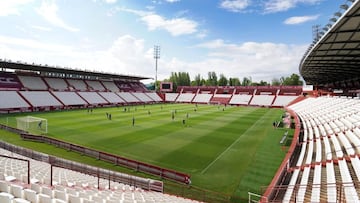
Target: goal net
[32,124]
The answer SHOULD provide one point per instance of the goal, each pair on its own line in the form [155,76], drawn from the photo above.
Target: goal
[32,124]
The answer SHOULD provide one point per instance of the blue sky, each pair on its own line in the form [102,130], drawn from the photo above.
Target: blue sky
[261,39]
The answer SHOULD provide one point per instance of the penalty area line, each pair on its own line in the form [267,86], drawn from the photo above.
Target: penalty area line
[229,147]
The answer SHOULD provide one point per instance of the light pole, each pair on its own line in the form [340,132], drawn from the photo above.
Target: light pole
[156,57]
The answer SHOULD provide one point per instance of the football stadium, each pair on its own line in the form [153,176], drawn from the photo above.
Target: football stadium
[70,135]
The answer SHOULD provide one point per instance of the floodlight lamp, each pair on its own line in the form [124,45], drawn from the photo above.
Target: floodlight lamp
[344,6]
[333,20]
[338,14]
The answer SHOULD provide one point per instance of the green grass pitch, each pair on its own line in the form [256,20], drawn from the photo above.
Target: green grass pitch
[231,150]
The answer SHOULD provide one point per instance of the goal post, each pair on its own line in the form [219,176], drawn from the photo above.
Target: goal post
[32,124]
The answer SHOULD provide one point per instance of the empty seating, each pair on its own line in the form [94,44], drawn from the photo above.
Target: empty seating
[13,100]
[240,99]
[33,83]
[283,100]
[56,83]
[331,122]
[77,84]
[171,97]
[202,98]
[110,85]
[70,98]
[40,98]
[128,97]
[84,190]
[221,98]
[142,97]
[185,97]
[262,100]
[111,97]
[137,87]
[92,98]
[154,96]
[95,85]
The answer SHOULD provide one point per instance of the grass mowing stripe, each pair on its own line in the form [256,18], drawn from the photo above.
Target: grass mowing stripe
[210,137]
[229,147]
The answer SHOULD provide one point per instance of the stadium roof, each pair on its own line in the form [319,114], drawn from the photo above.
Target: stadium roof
[21,66]
[335,56]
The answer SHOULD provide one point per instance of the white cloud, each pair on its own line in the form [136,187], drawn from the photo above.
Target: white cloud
[110,1]
[31,44]
[12,7]
[48,10]
[235,5]
[128,55]
[42,28]
[273,6]
[201,34]
[172,1]
[261,61]
[175,26]
[300,19]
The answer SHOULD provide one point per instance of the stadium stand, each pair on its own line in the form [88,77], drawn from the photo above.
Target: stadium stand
[132,92]
[225,90]
[262,100]
[240,99]
[123,86]
[13,100]
[67,185]
[112,98]
[92,98]
[154,96]
[95,85]
[137,87]
[33,82]
[171,97]
[142,97]
[188,89]
[40,98]
[58,84]
[221,99]
[202,98]
[70,99]
[330,148]
[322,163]
[77,84]
[185,97]
[110,86]
[128,97]
[9,81]
[283,100]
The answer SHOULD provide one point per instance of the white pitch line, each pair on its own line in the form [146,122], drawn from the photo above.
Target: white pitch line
[229,147]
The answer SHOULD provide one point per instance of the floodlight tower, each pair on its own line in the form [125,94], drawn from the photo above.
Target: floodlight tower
[316,32]
[156,57]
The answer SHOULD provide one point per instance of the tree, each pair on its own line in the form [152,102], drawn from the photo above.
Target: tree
[180,79]
[275,82]
[294,79]
[234,82]
[197,80]
[246,81]
[212,79]
[203,81]
[222,80]
[261,83]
